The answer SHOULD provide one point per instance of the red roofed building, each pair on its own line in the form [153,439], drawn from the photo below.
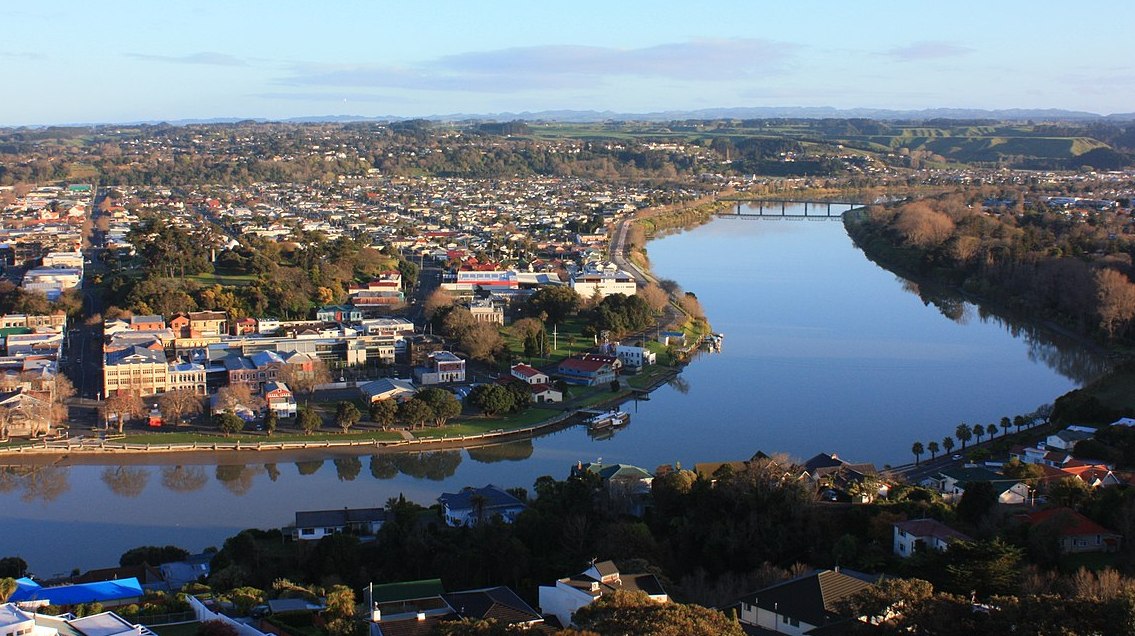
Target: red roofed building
[1076,532]
[587,370]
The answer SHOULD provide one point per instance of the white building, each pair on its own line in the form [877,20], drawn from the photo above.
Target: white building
[604,283]
[52,281]
[441,366]
[921,534]
[567,595]
[634,356]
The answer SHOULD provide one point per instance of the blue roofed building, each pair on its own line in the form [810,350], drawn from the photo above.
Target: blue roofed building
[109,593]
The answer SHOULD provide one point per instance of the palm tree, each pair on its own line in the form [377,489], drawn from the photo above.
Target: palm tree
[1018,421]
[933,448]
[978,431]
[963,433]
[917,450]
[948,443]
[1005,424]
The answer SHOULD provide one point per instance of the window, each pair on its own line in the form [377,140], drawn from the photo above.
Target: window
[307,532]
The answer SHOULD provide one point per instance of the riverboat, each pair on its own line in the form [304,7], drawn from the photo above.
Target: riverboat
[610,419]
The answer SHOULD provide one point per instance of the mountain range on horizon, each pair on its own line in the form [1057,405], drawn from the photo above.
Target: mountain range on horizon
[591,116]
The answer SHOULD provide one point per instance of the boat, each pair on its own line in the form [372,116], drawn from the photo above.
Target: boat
[608,419]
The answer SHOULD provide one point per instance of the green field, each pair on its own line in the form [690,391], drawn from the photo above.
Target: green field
[480,425]
[225,280]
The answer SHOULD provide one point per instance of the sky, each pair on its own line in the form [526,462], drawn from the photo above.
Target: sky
[76,61]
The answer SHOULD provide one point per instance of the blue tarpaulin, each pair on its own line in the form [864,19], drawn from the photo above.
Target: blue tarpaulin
[103,592]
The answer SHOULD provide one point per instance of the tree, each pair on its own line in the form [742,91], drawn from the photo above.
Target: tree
[303,380]
[340,613]
[383,413]
[415,413]
[655,297]
[179,403]
[1069,492]
[963,433]
[216,627]
[933,448]
[309,420]
[236,396]
[8,587]
[125,403]
[626,612]
[948,443]
[978,431]
[229,423]
[977,500]
[271,422]
[443,404]
[557,302]
[13,566]
[1115,294]
[1005,424]
[491,399]
[346,415]
[917,449]
[437,299]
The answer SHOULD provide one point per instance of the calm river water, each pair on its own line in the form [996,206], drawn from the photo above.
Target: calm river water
[823,351]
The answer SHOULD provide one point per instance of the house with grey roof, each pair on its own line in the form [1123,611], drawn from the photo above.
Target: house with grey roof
[316,524]
[802,604]
[472,506]
[913,535]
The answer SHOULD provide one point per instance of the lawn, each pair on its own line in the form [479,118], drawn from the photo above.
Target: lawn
[480,425]
[568,338]
[323,435]
[1116,390]
[648,376]
[225,280]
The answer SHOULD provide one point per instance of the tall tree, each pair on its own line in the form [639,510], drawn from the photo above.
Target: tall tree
[963,433]
[917,449]
[948,443]
[384,413]
[124,404]
[443,404]
[309,420]
[346,415]
[933,448]
[179,403]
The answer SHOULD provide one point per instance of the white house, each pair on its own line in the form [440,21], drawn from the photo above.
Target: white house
[387,389]
[921,534]
[441,366]
[476,505]
[634,356]
[567,595]
[315,524]
[528,374]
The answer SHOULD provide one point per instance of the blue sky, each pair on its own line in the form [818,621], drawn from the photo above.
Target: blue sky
[128,60]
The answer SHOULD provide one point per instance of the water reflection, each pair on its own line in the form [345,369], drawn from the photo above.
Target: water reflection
[273,471]
[435,466]
[184,478]
[36,483]
[309,467]
[1060,353]
[126,481]
[237,479]
[510,452]
[347,468]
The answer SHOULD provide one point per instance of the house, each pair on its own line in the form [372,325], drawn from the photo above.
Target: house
[634,356]
[23,415]
[194,568]
[476,505]
[440,367]
[499,604]
[590,284]
[279,399]
[1076,533]
[1067,439]
[920,534]
[567,595]
[244,327]
[15,621]
[387,389]
[147,323]
[180,325]
[419,607]
[545,393]
[1094,475]
[531,375]
[838,480]
[952,481]
[628,487]
[208,323]
[316,524]
[586,370]
[486,311]
[338,313]
[802,604]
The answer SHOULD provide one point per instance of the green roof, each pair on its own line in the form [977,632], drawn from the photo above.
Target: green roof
[406,591]
[8,331]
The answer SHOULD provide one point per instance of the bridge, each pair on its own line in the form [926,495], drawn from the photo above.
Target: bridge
[778,209]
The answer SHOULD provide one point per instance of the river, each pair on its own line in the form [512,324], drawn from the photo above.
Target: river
[823,352]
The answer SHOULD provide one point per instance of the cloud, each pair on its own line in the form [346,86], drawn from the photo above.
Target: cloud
[561,66]
[928,50]
[22,55]
[343,98]
[207,58]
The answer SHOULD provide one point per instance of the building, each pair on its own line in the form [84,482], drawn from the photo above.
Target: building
[52,281]
[316,524]
[472,506]
[1075,532]
[135,368]
[802,604]
[23,415]
[339,313]
[278,398]
[590,284]
[922,534]
[567,595]
[18,622]
[387,389]
[472,280]
[529,374]
[440,367]
[30,594]
[208,323]
[634,356]
[587,370]
[147,323]
[487,311]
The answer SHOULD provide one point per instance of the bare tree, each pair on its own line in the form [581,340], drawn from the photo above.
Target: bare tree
[234,395]
[126,403]
[179,403]
[304,381]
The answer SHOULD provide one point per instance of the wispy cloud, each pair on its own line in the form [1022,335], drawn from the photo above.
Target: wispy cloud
[928,50]
[208,58]
[560,66]
[22,55]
